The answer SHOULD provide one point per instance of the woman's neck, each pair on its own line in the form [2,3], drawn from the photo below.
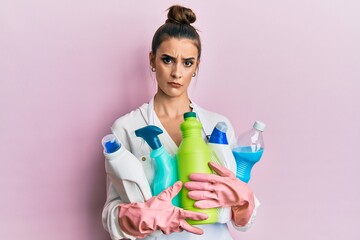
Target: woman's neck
[171,107]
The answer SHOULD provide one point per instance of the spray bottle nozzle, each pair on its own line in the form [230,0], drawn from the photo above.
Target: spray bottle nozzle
[150,135]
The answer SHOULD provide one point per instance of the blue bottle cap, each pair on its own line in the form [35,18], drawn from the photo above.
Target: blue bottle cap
[110,143]
[111,146]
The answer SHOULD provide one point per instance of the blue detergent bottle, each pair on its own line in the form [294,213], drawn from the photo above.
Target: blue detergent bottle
[223,156]
[125,171]
[249,149]
[165,164]
[218,143]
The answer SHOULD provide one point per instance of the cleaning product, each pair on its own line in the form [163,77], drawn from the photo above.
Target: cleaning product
[249,149]
[193,156]
[223,156]
[219,144]
[125,171]
[165,165]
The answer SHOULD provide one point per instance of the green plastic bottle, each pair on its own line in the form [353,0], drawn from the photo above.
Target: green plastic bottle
[193,157]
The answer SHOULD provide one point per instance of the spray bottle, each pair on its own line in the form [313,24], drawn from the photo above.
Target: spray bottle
[125,171]
[223,156]
[165,165]
[193,157]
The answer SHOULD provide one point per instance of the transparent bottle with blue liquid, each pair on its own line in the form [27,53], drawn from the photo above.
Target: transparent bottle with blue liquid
[249,149]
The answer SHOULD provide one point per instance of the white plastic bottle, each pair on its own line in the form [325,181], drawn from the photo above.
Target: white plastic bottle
[222,155]
[125,171]
[218,143]
[249,149]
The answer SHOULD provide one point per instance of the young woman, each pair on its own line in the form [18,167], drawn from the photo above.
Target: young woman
[175,58]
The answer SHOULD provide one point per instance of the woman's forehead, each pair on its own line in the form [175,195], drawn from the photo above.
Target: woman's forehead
[175,47]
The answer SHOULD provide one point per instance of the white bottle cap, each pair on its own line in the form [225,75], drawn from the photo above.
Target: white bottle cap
[221,126]
[259,126]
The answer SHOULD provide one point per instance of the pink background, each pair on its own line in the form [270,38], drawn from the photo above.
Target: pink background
[68,69]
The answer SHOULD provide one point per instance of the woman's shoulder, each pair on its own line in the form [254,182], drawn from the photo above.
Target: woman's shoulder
[210,116]
[132,117]
[124,129]
[125,125]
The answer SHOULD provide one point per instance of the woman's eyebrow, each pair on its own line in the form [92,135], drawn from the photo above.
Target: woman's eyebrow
[174,58]
[167,55]
[188,59]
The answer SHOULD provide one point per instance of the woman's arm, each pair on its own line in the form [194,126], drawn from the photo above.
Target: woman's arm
[110,214]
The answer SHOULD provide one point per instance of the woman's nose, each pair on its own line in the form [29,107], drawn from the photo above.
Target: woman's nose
[176,71]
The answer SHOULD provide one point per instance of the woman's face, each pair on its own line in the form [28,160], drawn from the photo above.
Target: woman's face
[176,61]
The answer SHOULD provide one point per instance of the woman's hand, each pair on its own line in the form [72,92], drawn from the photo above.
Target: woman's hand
[223,190]
[158,213]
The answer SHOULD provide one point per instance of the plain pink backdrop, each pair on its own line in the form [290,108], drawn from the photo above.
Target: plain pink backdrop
[68,69]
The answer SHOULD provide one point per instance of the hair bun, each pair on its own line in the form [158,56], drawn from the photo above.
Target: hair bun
[180,15]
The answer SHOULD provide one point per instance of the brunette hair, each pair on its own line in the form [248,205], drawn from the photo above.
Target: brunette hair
[177,25]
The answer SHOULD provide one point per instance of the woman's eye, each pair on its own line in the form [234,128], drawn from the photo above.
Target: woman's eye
[188,63]
[166,60]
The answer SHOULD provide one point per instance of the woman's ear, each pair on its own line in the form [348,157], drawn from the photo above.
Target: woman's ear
[197,65]
[152,59]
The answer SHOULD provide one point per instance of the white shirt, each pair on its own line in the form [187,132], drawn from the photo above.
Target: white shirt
[124,128]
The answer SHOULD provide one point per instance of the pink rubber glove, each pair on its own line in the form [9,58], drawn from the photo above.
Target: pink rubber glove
[158,213]
[223,190]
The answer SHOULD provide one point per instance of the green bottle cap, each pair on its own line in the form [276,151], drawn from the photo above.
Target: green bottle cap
[189,114]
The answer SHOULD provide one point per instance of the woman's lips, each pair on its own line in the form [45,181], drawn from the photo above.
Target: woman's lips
[174,84]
